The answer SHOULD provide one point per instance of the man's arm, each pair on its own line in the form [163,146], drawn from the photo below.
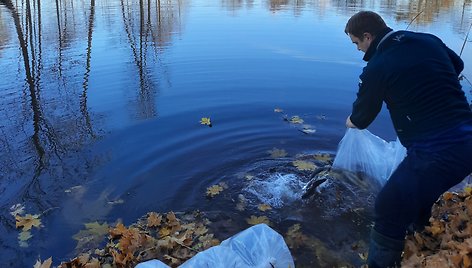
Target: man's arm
[369,100]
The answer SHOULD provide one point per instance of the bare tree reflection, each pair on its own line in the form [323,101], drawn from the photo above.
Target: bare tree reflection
[83,100]
[148,27]
[38,120]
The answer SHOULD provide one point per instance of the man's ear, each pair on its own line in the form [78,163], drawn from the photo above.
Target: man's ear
[367,36]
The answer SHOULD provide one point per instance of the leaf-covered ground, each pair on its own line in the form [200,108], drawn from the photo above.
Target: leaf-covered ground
[447,241]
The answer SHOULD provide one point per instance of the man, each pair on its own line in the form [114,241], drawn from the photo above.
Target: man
[416,75]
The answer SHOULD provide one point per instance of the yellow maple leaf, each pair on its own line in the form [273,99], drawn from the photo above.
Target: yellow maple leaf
[304,165]
[28,221]
[264,207]
[256,220]
[205,121]
[322,157]
[214,190]
[46,264]
[296,120]
[154,219]
[277,153]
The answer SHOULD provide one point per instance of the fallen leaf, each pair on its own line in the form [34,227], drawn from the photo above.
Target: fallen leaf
[93,234]
[295,238]
[46,264]
[119,230]
[116,202]
[296,120]
[308,130]
[28,221]
[249,177]
[304,165]
[214,190]
[468,189]
[264,207]
[154,219]
[24,236]
[277,153]
[256,220]
[323,157]
[17,209]
[206,121]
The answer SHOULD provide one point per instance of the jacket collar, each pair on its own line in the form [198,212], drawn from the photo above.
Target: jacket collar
[376,42]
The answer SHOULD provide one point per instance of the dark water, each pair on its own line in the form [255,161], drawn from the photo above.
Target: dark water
[108,95]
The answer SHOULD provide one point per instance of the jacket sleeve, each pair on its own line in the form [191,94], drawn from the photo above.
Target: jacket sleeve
[369,99]
[455,59]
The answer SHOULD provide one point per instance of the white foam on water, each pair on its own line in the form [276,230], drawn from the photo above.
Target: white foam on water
[277,190]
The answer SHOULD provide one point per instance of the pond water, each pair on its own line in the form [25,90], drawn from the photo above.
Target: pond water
[101,103]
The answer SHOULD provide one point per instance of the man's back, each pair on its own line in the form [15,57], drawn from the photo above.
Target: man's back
[420,84]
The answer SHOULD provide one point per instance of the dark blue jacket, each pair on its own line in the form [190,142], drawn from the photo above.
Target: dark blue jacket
[416,75]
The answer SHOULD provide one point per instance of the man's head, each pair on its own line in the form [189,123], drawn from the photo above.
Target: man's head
[363,27]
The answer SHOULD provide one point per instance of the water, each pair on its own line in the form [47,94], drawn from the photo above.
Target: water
[115,91]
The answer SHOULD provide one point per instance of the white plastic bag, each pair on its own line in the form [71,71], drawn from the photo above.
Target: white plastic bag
[362,151]
[256,247]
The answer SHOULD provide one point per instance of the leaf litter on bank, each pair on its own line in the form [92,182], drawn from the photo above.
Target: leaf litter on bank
[447,241]
[172,238]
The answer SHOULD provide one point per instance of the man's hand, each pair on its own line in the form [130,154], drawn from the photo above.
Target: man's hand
[349,124]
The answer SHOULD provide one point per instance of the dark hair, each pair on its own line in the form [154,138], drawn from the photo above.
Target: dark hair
[365,22]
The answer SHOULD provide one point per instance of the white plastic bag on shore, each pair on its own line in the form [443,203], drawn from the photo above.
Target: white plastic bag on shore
[362,151]
[256,247]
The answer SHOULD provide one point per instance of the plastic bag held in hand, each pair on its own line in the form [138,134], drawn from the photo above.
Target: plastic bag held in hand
[362,151]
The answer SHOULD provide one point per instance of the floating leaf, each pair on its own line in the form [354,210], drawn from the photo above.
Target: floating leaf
[304,165]
[257,220]
[17,209]
[214,190]
[28,221]
[249,177]
[242,202]
[264,207]
[93,234]
[277,153]
[323,157]
[46,264]
[25,235]
[205,121]
[296,120]
[116,202]
[308,130]
[295,238]
[278,110]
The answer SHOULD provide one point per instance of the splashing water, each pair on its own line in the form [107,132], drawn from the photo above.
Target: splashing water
[276,190]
